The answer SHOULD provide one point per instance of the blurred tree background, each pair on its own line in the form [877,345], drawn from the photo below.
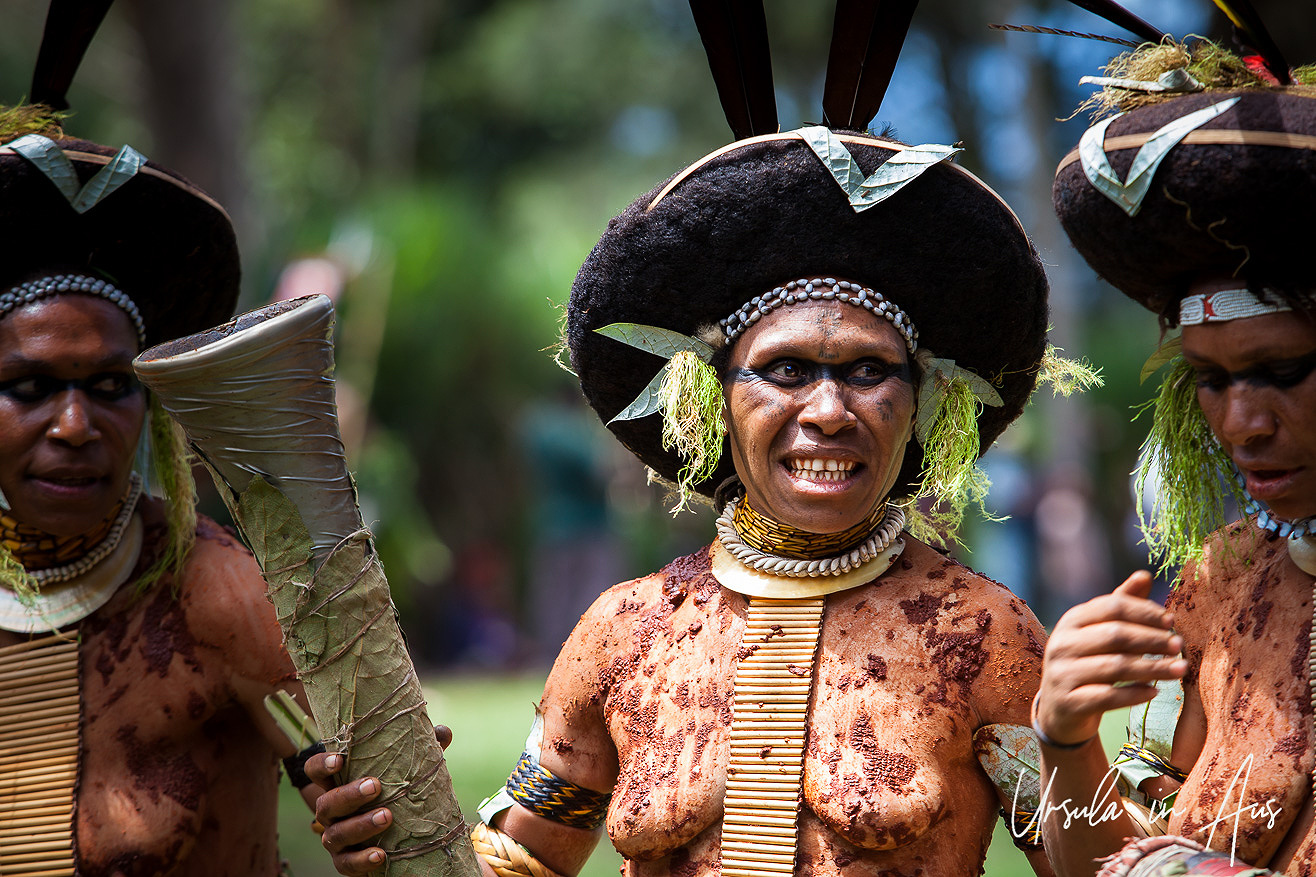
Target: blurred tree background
[443,166]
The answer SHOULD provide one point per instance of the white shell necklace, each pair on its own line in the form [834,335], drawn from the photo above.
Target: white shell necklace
[793,567]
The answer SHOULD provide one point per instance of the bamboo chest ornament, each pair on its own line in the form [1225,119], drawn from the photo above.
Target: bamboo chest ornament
[39,744]
[769,730]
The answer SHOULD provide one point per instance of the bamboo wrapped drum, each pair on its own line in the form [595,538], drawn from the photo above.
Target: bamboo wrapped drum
[255,398]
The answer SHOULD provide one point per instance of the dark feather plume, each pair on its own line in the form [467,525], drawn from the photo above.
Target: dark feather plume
[70,26]
[1250,31]
[866,39]
[1118,15]
[1053,31]
[735,36]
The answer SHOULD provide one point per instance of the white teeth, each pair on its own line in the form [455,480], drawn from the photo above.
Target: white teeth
[819,469]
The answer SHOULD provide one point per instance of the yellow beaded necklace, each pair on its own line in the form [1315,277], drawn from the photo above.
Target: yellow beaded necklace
[773,537]
[36,549]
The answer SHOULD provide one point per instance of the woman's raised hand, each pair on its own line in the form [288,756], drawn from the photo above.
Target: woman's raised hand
[1103,655]
[343,815]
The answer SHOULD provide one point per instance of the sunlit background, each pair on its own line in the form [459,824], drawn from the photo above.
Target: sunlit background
[443,166]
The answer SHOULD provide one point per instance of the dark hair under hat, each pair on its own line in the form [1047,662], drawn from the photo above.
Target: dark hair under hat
[1234,198]
[945,248]
[168,245]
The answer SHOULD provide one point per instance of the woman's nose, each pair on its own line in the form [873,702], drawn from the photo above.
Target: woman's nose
[826,408]
[1247,417]
[72,423]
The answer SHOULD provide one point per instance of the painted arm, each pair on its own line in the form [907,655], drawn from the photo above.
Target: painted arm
[1103,655]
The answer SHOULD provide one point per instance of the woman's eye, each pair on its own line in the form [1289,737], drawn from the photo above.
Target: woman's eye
[111,387]
[786,370]
[1290,374]
[31,389]
[1210,379]
[868,371]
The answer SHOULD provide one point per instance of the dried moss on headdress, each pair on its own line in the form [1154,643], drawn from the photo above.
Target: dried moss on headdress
[20,121]
[172,464]
[951,475]
[1067,376]
[692,420]
[1193,473]
[1215,67]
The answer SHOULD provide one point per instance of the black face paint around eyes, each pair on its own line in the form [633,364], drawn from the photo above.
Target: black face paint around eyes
[811,372]
[106,387]
[1281,376]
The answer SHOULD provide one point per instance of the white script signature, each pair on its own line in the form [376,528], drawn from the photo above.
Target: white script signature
[1106,806]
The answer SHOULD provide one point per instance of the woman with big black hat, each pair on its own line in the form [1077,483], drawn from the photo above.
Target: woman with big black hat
[136,643]
[1209,232]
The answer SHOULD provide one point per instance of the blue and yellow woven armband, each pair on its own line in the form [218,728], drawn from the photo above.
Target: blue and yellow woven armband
[1151,759]
[1025,828]
[537,789]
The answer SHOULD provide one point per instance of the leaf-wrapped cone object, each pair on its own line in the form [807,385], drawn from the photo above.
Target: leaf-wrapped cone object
[256,400]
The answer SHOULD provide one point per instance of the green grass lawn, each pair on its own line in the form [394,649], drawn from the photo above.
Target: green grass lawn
[490,717]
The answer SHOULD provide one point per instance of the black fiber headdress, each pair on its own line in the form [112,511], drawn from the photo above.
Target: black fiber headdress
[167,244]
[1232,197]
[1225,152]
[766,210]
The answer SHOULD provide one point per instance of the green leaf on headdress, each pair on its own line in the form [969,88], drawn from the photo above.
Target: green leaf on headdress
[1128,194]
[938,376]
[656,340]
[1169,349]
[46,156]
[890,177]
[122,168]
[946,425]
[649,401]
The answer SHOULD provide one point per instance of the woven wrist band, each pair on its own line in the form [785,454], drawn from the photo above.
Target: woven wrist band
[504,855]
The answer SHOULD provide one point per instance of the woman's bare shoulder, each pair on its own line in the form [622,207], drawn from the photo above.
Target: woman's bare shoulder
[992,634]
[617,616]
[1238,566]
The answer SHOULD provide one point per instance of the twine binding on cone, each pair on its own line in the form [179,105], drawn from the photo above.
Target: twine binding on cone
[769,727]
[39,756]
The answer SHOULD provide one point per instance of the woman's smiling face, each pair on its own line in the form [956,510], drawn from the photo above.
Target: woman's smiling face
[820,406]
[70,411]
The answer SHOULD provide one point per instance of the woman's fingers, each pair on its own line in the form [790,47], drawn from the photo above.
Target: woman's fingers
[340,803]
[1100,699]
[1138,585]
[322,768]
[343,838]
[1104,654]
[1117,607]
[357,863]
[1114,637]
[354,831]
[1119,670]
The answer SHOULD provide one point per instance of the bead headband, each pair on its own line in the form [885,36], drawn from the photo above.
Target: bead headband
[47,287]
[819,289]
[1226,305]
